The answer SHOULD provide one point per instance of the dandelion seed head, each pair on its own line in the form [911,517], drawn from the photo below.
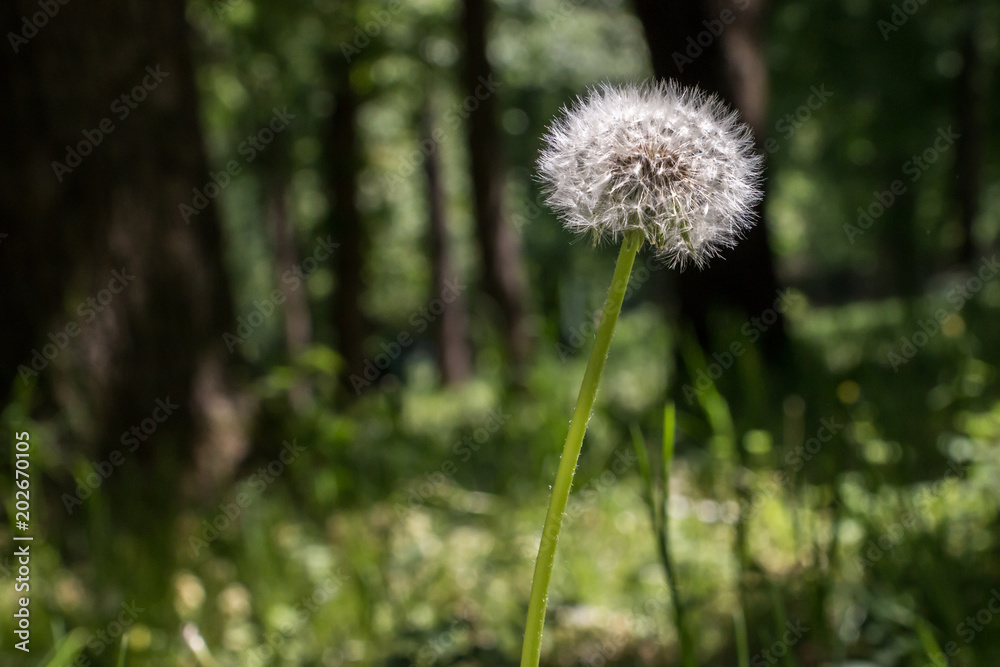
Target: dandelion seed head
[669,161]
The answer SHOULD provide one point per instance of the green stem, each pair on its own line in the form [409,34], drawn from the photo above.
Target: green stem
[742,646]
[663,543]
[532,649]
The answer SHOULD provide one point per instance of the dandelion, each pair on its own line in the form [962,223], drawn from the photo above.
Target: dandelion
[664,160]
[653,163]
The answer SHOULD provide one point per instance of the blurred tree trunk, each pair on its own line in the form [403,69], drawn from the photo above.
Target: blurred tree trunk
[116,297]
[349,325]
[502,273]
[727,59]
[451,329]
[717,47]
[969,143]
[298,321]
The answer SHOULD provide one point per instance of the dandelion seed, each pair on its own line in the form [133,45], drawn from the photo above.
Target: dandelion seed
[672,162]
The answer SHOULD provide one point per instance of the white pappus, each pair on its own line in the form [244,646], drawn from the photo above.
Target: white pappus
[667,160]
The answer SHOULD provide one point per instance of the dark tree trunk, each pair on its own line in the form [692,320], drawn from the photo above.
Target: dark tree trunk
[502,272]
[298,321]
[451,329]
[349,324]
[732,65]
[968,146]
[104,146]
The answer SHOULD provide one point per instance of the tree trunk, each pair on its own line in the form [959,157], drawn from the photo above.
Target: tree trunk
[502,273]
[732,65]
[451,329]
[968,146]
[349,324]
[115,293]
[298,321]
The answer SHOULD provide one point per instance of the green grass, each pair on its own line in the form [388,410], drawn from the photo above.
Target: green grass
[444,581]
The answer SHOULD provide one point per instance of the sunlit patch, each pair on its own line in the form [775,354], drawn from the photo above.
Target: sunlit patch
[139,638]
[862,431]
[626,522]
[757,442]
[961,448]
[189,594]
[707,511]
[679,506]
[976,377]
[848,392]
[234,601]
[194,639]
[730,512]
[69,592]
[954,326]
[878,452]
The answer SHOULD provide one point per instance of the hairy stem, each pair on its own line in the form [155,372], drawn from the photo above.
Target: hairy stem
[532,649]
